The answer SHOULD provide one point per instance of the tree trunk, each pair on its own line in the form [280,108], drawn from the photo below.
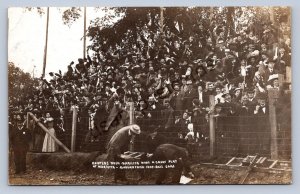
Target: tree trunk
[229,23]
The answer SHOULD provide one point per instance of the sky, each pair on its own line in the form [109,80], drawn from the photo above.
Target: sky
[27,35]
[131,189]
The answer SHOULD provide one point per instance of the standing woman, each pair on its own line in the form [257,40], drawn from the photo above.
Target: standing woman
[49,144]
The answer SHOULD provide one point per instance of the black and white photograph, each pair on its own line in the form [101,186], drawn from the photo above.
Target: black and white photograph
[149,95]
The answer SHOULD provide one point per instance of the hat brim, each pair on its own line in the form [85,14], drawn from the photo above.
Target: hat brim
[226,94]
[135,129]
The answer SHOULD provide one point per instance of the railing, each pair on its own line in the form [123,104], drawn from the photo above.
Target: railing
[242,134]
[59,143]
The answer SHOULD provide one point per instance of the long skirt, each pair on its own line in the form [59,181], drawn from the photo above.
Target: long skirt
[49,144]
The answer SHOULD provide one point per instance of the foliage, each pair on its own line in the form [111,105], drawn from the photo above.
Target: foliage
[135,24]
[140,24]
[39,10]
[19,84]
[71,15]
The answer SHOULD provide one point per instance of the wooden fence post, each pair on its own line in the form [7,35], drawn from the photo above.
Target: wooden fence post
[27,120]
[288,74]
[131,113]
[212,137]
[74,124]
[272,96]
[280,81]
[131,121]
[47,131]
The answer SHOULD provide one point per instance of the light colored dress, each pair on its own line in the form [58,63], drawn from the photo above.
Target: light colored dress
[49,144]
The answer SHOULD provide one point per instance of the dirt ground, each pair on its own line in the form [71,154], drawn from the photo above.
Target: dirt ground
[203,175]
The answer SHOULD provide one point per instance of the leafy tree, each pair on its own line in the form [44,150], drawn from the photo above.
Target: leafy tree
[133,22]
[128,27]
[39,10]
[20,84]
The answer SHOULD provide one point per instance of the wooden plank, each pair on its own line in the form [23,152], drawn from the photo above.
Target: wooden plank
[273,164]
[46,43]
[248,170]
[244,178]
[132,154]
[239,160]
[258,161]
[131,113]
[74,125]
[272,171]
[263,159]
[212,127]
[47,131]
[272,94]
[288,74]
[27,120]
[230,161]
[280,81]
[84,33]
[284,161]
[131,121]
[161,22]
[235,164]
[252,158]
[138,156]
[223,166]
[239,168]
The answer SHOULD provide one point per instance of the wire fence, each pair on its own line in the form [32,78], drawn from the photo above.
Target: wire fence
[233,133]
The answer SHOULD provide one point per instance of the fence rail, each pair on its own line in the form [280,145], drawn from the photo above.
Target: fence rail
[47,131]
[213,135]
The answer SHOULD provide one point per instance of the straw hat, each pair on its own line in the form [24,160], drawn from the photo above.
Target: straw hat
[135,129]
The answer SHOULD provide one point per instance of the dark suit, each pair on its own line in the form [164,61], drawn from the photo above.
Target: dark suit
[198,119]
[100,118]
[228,109]
[181,125]
[188,99]
[19,140]
[176,102]
[251,104]
[262,129]
[116,146]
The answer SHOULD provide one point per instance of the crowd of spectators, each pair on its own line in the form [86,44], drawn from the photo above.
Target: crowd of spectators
[169,77]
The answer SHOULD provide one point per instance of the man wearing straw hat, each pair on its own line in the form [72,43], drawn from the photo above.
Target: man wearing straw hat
[118,144]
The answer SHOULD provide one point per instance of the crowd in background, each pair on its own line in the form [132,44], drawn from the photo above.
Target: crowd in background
[169,77]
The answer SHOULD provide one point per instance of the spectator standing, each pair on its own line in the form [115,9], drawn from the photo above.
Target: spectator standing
[20,138]
[49,144]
